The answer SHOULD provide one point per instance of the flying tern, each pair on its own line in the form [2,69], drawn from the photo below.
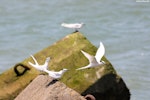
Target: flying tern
[94,60]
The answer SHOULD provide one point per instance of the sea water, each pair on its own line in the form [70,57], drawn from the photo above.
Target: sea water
[28,26]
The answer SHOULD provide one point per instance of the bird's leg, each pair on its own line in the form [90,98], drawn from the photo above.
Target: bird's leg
[76,30]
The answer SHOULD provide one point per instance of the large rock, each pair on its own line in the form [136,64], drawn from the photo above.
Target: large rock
[64,54]
[44,88]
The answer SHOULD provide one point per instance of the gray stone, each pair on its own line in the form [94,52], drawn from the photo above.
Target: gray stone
[44,88]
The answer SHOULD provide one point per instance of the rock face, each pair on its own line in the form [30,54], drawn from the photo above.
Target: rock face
[43,88]
[109,87]
[64,54]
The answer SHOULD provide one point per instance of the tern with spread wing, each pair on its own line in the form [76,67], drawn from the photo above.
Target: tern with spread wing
[94,60]
[40,67]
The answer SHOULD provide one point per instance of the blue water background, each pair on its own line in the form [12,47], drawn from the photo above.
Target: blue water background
[28,26]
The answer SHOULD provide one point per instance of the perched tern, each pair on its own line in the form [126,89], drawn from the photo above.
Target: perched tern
[56,75]
[75,26]
[94,60]
[40,67]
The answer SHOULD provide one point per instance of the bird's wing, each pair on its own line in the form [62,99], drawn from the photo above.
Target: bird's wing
[46,62]
[33,65]
[88,56]
[85,67]
[100,52]
[76,25]
[58,74]
[36,63]
[54,74]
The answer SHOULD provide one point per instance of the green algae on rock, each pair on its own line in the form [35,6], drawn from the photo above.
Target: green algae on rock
[64,54]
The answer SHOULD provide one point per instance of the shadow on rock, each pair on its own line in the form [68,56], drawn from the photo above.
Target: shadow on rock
[51,82]
[109,87]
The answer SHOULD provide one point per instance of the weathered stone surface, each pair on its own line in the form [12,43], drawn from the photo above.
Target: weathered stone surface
[43,88]
[64,54]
